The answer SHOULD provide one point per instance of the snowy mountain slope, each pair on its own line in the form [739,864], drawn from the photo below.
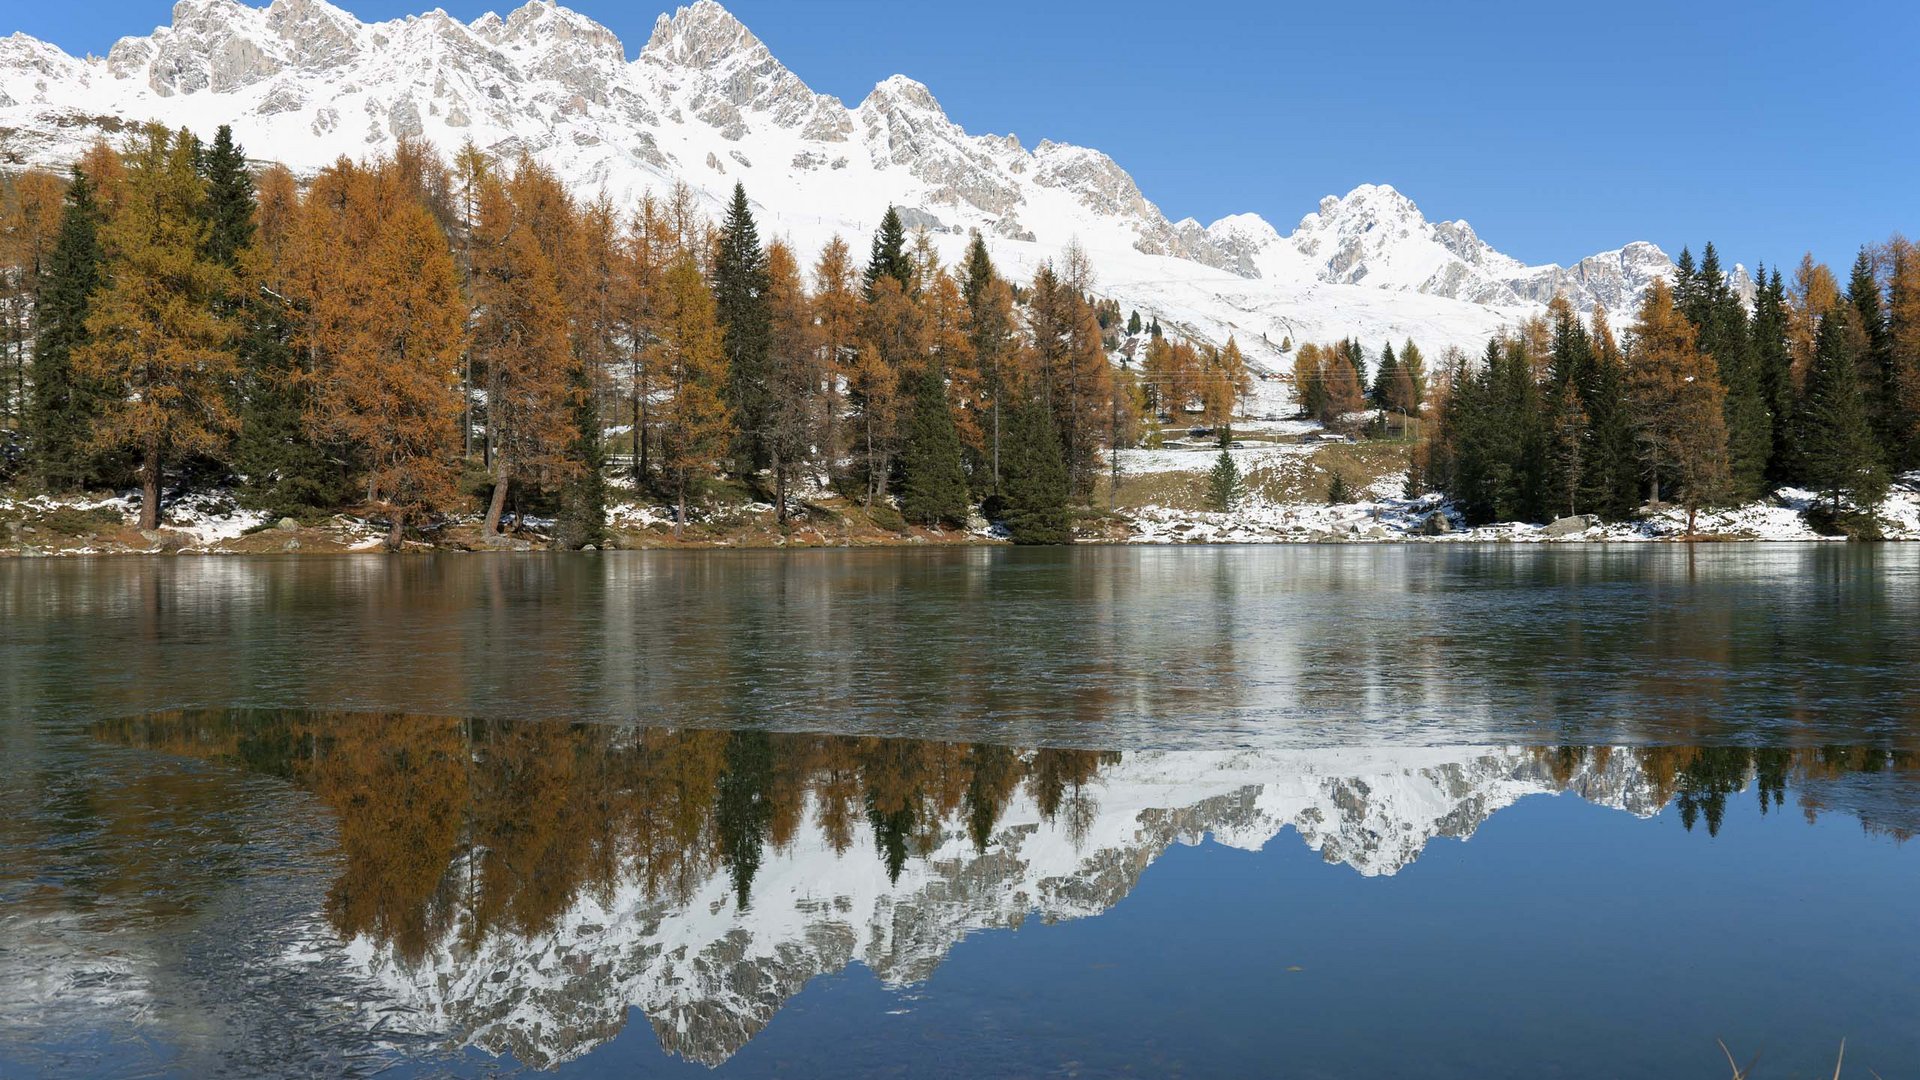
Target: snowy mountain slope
[304,82]
[709,974]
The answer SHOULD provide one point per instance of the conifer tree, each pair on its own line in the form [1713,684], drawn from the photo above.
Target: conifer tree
[289,466]
[695,426]
[1309,381]
[1413,366]
[582,520]
[1611,472]
[1133,324]
[1344,384]
[1223,484]
[1034,478]
[1773,367]
[933,489]
[1903,332]
[382,324]
[836,307]
[1679,406]
[1567,438]
[1235,380]
[1815,293]
[521,335]
[60,415]
[740,304]
[155,337]
[1838,454]
[229,205]
[990,333]
[1379,395]
[1719,318]
[1874,346]
[31,206]
[794,374]
[889,346]
[889,257]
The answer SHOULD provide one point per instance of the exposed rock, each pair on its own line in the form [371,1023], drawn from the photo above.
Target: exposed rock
[1570,526]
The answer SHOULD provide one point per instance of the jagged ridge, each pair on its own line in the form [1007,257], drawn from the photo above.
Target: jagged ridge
[705,101]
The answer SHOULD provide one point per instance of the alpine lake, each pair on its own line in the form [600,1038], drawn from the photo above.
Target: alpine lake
[1321,811]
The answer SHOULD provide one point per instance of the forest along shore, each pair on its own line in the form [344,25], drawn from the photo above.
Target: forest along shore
[1168,495]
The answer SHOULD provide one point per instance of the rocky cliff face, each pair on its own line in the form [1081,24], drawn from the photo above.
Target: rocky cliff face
[706,102]
[710,973]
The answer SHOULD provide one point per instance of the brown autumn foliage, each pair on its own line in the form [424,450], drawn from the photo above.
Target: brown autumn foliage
[1679,404]
[382,329]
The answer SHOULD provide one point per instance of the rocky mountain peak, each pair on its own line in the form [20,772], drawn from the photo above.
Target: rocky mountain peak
[701,35]
[899,94]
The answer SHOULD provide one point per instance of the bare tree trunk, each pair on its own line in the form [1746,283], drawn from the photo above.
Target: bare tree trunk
[466,406]
[779,489]
[633,382]
[150,490]
[397,535]
[680,510]
[871,470]
[496,505]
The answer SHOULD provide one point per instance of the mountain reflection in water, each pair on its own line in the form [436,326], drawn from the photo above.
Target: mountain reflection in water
[522,887]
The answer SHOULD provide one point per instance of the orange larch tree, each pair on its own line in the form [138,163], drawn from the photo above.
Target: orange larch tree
[156,339]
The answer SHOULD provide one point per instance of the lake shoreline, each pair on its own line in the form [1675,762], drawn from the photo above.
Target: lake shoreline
[169,546]
[215,524]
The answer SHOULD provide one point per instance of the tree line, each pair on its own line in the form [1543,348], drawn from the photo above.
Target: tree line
[412,338]
[1707,400]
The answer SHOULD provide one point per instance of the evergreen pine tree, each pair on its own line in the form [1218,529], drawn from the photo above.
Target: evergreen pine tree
[1223,484]
[60,414]
[1567,438]
[990,336]
[1874,348]
[934,482]
[889,257]
[1773,367]
[1381,395]
[1133,324]
[1720,324]
[1838,454]
[1339,492]
[1414,364]
[583,499]
[1686,282]
[229,206]
[1568,427]
[1034,478]
[740,304]
[1611,472]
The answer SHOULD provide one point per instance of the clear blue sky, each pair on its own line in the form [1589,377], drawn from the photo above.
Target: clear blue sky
[1557,130]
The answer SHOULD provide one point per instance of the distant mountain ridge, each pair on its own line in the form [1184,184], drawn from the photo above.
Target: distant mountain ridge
[705,101]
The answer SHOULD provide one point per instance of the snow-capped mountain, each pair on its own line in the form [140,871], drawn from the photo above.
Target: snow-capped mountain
[1376,236]
[304,82]
[709,974]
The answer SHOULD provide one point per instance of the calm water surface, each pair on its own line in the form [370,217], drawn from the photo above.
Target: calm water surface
[1335,812]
